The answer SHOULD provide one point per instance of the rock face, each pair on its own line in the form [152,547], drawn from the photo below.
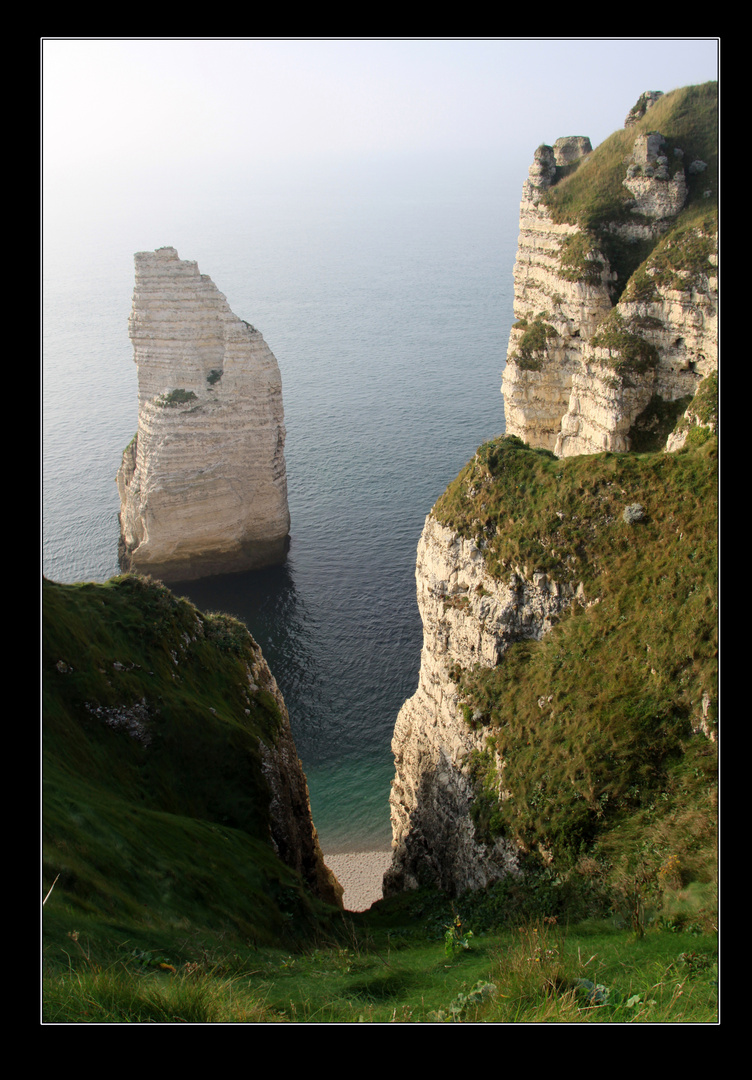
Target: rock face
[583,374]
[543,355]
[644,102]
[468,618]
[203,486]
[293,833]
[581,370]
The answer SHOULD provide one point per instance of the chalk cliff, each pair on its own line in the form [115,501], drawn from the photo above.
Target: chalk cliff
[469,617]
[615,293]
[616,337]
[203,485]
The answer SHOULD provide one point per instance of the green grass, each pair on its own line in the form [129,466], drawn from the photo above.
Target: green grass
[598,723]
[166,902]
[165,899]
[175,397]
[628,352]
[680,259]
[594,196]
[531,345]
[390,966]
[155,805]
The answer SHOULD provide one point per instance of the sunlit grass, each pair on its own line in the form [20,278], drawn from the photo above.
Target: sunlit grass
[534,972]
[605,725]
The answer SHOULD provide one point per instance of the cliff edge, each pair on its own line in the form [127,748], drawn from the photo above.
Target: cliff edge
[616,280]
[203,485]
[174,794]
[567,700]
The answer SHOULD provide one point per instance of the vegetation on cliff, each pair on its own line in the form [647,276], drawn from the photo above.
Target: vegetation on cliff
[594,196]
[606,727]
[155,801]
[532,344]
[165,897]
[165,902]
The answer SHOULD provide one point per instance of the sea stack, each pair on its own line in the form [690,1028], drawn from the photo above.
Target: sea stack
[203,484]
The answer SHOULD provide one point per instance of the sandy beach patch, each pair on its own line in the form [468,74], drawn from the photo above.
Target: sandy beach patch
[360,874]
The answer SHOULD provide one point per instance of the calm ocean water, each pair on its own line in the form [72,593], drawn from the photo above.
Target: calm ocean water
[388,306]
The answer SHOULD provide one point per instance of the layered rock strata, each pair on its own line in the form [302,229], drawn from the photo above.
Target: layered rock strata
[203,485]
[555,314]
[580,369]
[588,361]
[468,618]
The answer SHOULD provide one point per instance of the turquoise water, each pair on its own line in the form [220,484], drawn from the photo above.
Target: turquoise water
[388,306]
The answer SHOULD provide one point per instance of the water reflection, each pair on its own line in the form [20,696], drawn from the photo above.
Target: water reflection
[343,677]
[268,603]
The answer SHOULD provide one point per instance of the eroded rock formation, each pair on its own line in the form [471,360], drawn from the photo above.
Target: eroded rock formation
[581,369]
[468,617]
[591,366]
[203,485]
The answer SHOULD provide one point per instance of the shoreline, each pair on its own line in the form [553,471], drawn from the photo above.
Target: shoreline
[360,873]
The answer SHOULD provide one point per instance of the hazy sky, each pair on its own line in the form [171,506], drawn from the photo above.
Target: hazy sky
[164,115]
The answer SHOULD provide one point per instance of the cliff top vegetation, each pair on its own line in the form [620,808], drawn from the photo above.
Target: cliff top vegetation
[156,809]
[606,725]
[594,197]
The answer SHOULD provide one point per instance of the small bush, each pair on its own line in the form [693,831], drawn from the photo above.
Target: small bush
[628,352]
[531,347]
[175,398]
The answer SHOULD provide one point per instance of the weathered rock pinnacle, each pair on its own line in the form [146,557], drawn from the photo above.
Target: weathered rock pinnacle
[203,486]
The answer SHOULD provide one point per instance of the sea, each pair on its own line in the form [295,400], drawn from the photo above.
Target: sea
[386,297]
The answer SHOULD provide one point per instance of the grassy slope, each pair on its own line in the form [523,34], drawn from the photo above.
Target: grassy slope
[608,763]
[170,907]
[167,831]
[392,965]
[597,721]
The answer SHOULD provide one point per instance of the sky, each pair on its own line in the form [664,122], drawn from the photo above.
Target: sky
[121,101]
[129,122]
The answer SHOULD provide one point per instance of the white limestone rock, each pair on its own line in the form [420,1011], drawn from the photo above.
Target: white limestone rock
[537,387]
[658,193]
[581,372]
[562,390]
[468,618]
[644,102]
[680,323]
[203,486]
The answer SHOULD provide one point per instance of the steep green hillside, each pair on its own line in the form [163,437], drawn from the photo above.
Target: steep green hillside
[607,725]
[155,802]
